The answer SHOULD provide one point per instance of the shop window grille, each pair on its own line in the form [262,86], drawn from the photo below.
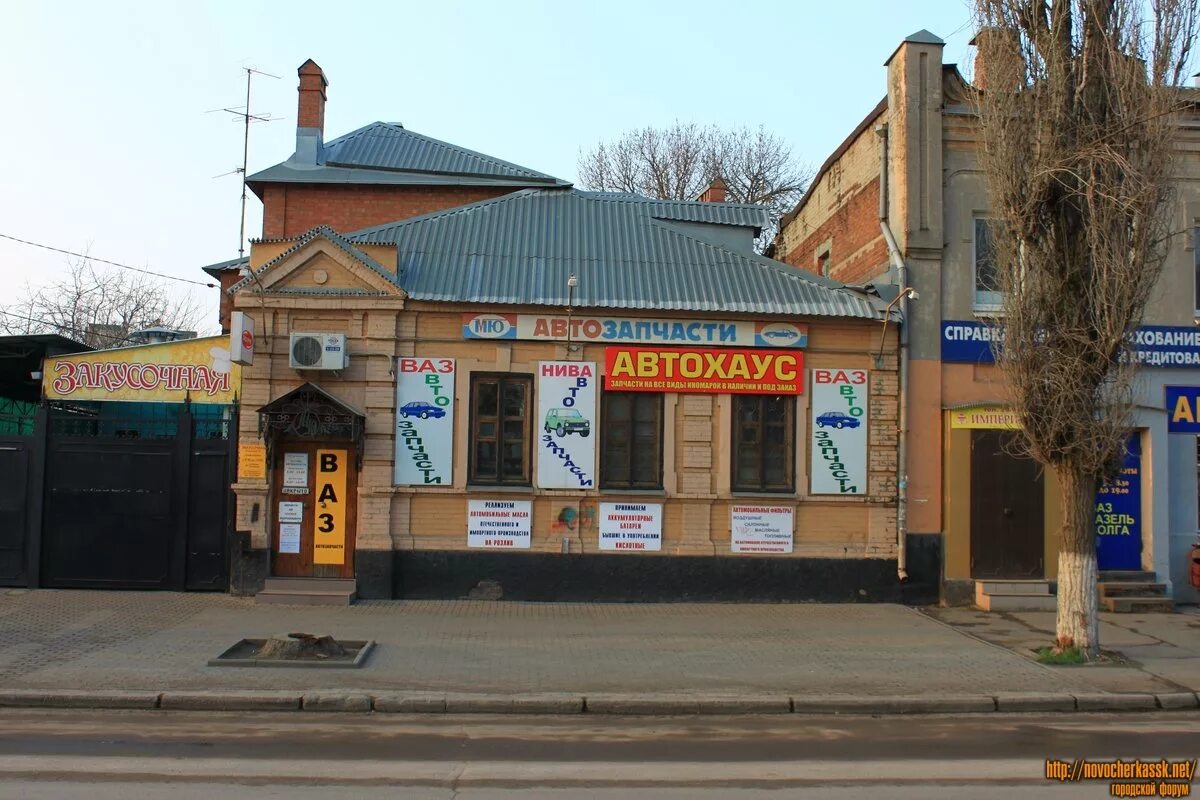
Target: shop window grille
[115,421]
[17,418]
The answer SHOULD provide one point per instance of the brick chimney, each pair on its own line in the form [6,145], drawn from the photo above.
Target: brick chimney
[715,193]
[310,116]
[311,113]
[990,44]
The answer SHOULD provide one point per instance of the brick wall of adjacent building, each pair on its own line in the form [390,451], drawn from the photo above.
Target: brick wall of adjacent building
[841,213]
[292,209]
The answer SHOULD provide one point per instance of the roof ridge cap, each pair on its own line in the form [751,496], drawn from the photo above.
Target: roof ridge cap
[446,212]
[784,270]
[634,197]
[483,156]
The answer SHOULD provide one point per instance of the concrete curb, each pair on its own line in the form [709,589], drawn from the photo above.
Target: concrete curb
[70,698]
[559,704]
[231,701]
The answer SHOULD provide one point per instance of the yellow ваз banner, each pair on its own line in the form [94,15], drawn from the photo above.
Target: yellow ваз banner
[196,369]
[329,521]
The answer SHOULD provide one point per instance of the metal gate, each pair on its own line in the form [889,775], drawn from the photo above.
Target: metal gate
[136,502]
[16,458]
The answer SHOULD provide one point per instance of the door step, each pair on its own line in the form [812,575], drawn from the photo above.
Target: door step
[1133,592]
[1014,595]
[1132,589]
[308,592]
[1114,575]
[1138,605]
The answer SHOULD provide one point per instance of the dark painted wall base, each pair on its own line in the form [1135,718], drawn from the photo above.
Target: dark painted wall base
[923,554]
[958,593]
[247,568]
[373,569]
[631,578]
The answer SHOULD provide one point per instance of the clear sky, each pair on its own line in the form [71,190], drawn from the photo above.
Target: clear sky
[108,147]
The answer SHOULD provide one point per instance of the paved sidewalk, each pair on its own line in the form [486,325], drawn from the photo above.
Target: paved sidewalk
[1147,652]
[162,641]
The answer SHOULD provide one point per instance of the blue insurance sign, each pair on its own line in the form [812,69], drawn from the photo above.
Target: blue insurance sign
[1161,346]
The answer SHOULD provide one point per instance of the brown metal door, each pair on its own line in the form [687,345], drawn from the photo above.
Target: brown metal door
[314,486]
[1007,510]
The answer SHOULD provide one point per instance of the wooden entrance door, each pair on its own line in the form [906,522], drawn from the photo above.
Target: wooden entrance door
[1007,504]
[313,516]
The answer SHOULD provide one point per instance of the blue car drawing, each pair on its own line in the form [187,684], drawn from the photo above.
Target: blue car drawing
[422,410]
[778,334]
[833,419]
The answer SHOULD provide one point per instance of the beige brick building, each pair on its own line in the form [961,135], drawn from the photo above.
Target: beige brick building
[642,407]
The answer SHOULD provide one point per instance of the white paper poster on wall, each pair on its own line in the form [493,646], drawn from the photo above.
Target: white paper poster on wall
[290,511]
[838,451]
[631,526]
[295,470]
[761,529]
[567,425]
[424,421]
[289,537]
[499,524]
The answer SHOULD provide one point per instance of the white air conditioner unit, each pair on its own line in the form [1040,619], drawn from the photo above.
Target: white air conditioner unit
[318,351]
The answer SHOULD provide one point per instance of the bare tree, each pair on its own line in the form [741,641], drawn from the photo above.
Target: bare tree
[679,162]
[98,309]
[1078,118]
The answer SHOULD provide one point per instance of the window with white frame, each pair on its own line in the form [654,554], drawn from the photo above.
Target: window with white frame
[987,277]
[1196,266]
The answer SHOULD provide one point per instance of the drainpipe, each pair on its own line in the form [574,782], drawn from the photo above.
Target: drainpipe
[902,416]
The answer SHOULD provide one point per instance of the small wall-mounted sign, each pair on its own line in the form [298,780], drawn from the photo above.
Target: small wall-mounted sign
[252,461]
[241,338]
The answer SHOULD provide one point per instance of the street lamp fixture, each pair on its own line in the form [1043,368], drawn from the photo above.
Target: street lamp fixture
[572,282]
[907,293]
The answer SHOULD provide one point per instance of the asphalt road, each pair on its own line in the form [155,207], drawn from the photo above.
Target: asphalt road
[135,755]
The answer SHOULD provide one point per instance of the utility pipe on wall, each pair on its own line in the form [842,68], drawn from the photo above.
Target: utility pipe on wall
[902,415]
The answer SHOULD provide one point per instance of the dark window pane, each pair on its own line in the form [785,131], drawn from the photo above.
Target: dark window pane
[485,458]
[986,277]
[617,408]
[514,399]
[485,398]
[500,433]
[763,442]
[631,441]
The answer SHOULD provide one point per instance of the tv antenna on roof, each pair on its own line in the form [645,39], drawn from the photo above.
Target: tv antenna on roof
[244,114]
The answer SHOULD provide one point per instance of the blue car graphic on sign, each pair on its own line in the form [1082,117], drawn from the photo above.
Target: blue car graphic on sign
[778,334]
[833,419]
[422,410]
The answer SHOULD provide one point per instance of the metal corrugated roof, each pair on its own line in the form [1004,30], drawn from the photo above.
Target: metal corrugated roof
[389,153]
[383,145]
[626,253]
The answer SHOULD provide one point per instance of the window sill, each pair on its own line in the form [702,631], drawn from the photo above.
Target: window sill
[996,312]
[736,493]
[607,490]
[503,487]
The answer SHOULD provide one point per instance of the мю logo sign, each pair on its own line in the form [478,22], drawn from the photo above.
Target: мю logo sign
[489,326]
[780,334]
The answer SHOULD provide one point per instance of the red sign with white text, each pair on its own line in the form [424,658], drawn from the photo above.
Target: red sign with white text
[708,370]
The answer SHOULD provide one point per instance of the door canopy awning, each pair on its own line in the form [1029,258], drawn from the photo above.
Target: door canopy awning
[310,412]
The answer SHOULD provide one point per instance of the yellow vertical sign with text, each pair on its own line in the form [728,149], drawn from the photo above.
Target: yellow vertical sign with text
[329,521]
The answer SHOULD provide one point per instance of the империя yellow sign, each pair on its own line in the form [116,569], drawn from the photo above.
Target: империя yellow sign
[195,369]
[329,521]
[985,417]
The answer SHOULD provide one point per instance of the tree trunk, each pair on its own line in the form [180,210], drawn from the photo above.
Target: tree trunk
[1078,623]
